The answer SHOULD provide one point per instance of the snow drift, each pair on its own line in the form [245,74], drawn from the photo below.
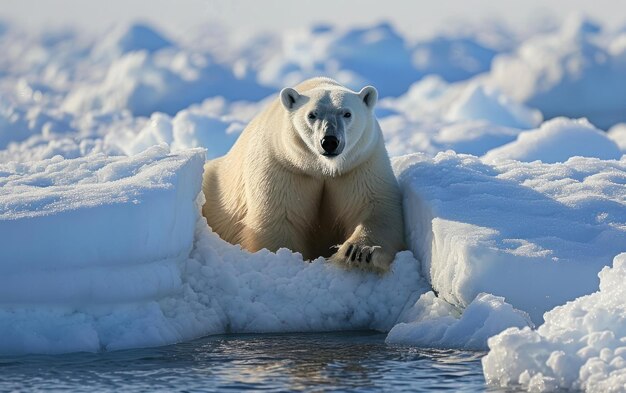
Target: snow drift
[74,210]
[536,234]
[434,323]
[167,81]
[556,141]
[355,57]
[581,345]
[571,72]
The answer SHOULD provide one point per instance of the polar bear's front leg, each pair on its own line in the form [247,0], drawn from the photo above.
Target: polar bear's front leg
[272,235]
[377,236]
[279,210]
[368,206]
[373,219]
[367,250]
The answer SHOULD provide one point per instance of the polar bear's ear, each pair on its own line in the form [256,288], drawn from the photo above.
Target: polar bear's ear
[369,95]
[289,97]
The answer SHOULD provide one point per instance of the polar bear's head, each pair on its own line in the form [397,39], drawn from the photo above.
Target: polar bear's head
[335,126]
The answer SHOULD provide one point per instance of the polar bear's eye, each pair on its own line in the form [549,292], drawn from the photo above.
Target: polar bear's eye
[311,115]
[347,115]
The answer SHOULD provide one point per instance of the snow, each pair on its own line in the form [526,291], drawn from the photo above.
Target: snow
[18,123]
[435,116]
[431,322]
[572,72]
[375,55]
[452,58]
[536,234]
[132,38]
[617,133]
[121,258]
[434,99]
[103,246]
[73,210]
[556,141]
[187,129]
[479,102]
[163,279]
[581,345]
[166,81]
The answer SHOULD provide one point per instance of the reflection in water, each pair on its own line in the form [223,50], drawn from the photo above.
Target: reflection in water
[300,362]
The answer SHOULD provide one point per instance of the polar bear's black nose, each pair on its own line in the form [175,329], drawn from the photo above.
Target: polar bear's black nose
[330,144]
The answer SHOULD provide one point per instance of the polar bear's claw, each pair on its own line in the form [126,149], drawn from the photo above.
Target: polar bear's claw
[360,256]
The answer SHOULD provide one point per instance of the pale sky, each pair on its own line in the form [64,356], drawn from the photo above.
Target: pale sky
[413,18]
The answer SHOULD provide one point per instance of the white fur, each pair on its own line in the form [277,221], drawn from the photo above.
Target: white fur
[275,188]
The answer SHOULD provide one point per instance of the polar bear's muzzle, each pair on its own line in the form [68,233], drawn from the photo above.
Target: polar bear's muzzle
[330,145]
[330,130]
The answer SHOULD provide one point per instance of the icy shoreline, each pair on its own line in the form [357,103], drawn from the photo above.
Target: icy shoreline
[511,216]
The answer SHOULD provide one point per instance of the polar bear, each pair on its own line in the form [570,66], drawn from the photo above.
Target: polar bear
[310,173]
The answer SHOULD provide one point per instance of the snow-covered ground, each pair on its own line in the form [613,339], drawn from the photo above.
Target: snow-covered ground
[535,233]
[514,192]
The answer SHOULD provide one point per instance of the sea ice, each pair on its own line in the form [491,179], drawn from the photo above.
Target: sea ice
[168,80]
[375,55]
[61,216]
[556,141]
[433,323]
[536,234]
[572,72]
[581,345]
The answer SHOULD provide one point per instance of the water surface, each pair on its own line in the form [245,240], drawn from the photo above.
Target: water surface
[355,361]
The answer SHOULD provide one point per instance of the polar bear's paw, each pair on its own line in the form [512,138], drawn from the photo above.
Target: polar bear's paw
[362,256]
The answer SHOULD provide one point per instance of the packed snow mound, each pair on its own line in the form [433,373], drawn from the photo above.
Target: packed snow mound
[435,116]
[71,135]
[186,130]
[573,72]
[483,103]
[20,122]
[166,81]
[433,99]
[556,141]
[378,54]
[279,292]
[375,55]
[132,38]
[536,234]
[617,133]
[581,345]
[433,323]
[452,58]
[213,125]
[403,136]
[94,212]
